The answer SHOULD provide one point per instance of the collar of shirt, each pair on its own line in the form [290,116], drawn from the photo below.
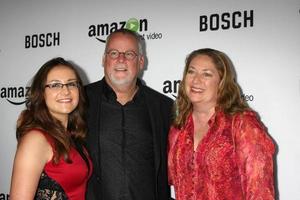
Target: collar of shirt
[110,95]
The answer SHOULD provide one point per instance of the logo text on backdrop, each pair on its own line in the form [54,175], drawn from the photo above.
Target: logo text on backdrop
[227,20]
[101,31]
[14,95]
[42,40]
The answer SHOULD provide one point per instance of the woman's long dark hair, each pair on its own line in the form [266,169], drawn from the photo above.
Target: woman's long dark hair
[37,116]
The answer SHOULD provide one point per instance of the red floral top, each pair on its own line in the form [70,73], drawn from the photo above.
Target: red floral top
[233,161]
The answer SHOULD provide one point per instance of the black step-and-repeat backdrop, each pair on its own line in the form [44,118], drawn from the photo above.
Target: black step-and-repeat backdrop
[261,37]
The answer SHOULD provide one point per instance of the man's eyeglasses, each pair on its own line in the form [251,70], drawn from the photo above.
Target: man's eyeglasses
[114,54]
[58,86]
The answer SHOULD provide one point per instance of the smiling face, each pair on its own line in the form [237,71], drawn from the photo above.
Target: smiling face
[61,101]
[121,72]
[202,81]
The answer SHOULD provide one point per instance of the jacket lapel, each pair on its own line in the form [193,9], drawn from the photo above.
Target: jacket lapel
[155,121]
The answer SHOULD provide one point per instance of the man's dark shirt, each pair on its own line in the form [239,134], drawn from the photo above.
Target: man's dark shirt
[126,146]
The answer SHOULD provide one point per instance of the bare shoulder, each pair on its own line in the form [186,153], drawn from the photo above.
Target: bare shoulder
[33,152]
[35,143]
[34,138]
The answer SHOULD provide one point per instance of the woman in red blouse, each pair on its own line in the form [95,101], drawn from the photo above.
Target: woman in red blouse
[218,148]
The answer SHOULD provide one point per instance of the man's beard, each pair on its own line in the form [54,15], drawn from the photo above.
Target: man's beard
[127,80]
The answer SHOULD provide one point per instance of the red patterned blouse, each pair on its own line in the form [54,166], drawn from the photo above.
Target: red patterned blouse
[233,161]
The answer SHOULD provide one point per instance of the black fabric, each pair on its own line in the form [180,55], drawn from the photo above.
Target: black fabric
[159,108]
[126,146]
[49,189]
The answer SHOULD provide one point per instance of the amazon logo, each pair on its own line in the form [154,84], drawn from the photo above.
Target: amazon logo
[171,87]
[15,95]
[99,31]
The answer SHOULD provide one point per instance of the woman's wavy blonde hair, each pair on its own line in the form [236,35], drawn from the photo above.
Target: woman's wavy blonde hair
[229,99]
